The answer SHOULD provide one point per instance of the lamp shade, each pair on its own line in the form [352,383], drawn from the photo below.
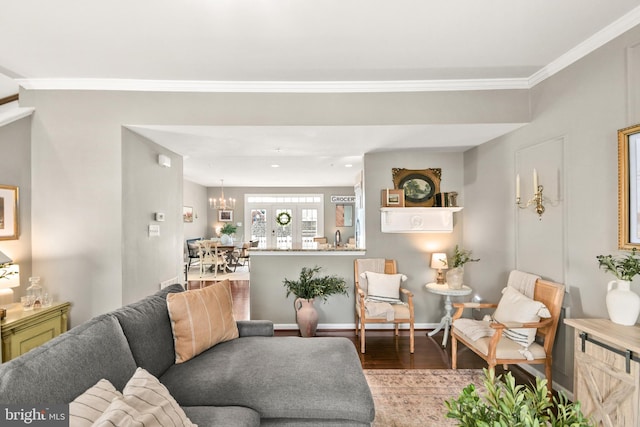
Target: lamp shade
[10,276]
[439,261]
[4,259]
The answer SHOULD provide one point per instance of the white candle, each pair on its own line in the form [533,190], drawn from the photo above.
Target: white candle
[517,186]
[535,181]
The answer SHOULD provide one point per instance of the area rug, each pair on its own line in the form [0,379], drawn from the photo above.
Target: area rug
[415,397]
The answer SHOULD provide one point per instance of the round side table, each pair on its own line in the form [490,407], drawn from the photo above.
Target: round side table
[445,290]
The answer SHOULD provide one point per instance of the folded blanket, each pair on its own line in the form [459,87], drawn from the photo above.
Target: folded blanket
[523,282]
[377,309]
[474,329]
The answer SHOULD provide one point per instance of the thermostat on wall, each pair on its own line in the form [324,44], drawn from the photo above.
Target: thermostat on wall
[159,216]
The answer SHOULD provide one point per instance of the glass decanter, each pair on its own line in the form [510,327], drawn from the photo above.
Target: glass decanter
[34,292]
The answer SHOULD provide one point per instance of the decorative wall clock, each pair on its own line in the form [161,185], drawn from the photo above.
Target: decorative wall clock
[419,185]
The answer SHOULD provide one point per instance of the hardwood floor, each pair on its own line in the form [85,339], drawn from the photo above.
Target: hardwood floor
[383,349]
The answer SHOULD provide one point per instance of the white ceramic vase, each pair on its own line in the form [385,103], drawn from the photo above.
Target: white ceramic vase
[455,277]
[623,304]
[226,240]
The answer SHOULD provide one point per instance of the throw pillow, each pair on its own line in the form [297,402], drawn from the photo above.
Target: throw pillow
[145,402]
[384,287]
[90,405]
[201,318]
[517,307]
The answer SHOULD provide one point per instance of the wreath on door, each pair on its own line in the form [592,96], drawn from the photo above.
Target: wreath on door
[283,218]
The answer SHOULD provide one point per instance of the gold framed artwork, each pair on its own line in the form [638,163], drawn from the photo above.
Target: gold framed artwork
[392,198]
[419,185]
[8,212]
[629,187]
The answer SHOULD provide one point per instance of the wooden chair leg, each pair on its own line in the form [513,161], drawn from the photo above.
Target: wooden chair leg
[454,352]
[357,318]
[396,328]
[411,339]
[361,337]
[548,373]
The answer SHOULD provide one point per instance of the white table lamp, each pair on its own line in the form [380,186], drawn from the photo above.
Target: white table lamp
[439,262]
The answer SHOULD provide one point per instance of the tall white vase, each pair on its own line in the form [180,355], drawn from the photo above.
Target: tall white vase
[623,304]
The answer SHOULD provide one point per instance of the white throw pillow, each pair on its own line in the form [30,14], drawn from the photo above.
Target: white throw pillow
[90,405]
[384,287]
[146,402]
[517,307]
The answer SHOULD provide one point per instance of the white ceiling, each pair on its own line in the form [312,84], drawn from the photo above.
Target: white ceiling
[207,44]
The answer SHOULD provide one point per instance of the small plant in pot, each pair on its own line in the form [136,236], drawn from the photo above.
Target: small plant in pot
[226,231]
[307,288]
[455,275]
[623,304]
[506,404]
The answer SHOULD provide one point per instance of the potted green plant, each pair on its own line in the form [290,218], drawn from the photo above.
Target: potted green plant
[306,289]
[226,231]
[506,404]
[623,304]
[455,275]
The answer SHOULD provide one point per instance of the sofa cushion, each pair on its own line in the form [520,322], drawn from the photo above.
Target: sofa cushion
[90,405]
[216,416]
[145,402]
[201,318]
[147,327]
[306,378]
[69,364]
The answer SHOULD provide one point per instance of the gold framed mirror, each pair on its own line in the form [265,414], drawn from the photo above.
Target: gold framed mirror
[629,187]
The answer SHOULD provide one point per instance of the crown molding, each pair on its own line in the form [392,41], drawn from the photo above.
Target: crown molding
[600,38]
[10,112]
[273,86]
[594,42]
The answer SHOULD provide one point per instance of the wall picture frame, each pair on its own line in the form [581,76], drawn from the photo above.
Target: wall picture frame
[392,198]
[187,213]
[9,219]
[419,185]
[225,215]
[629,188]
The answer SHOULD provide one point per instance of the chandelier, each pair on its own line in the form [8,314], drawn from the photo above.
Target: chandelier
[222,203]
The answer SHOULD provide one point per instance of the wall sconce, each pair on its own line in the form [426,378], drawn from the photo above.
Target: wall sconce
[439,262]
[537,198]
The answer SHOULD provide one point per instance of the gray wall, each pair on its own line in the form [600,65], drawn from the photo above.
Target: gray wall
[15,170]
[77,161]
[148,188]
[195,196]
[573,139]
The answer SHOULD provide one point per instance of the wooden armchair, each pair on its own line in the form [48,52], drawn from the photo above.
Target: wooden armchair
[402,313]
[498,349]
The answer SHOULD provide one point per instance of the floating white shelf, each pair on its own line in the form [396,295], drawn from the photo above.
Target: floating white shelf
[417,220]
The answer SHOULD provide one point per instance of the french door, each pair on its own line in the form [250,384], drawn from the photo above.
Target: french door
[284,221]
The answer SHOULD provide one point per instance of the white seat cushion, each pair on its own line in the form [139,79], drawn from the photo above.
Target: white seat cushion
[401,311]
[507,349]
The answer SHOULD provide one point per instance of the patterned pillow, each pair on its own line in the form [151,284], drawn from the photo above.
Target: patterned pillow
[145,403]
[201,318]
[517,307]
[90,405]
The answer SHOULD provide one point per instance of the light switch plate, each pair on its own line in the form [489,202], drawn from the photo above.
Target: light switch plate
[154,230]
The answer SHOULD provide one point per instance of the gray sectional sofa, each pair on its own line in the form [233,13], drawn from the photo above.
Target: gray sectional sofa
[256,379]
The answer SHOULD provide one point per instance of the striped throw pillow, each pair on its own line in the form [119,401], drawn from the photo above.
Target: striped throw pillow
[201,318]
[90,405]
[517,307]
[145,403]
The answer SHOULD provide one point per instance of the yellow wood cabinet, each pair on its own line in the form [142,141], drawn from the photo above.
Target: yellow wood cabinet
[607,371]
[24,330]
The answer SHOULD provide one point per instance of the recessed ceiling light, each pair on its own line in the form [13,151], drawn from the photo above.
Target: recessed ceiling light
[275,166]
[348,165]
